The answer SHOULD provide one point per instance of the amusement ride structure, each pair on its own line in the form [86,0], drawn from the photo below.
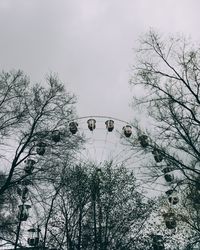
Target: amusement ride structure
[107,139]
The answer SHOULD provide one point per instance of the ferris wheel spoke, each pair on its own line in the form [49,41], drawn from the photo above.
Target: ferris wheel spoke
[126,159]
[105,141]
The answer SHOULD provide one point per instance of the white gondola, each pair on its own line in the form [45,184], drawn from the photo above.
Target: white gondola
[127,130]
[173,200]
[56,136]
[143,139]
[73,127]
[23,212]
[173,197]
[41,148]
[91,124]
[170,220]
[33,238]
[169,177]
[157,155]
[29,167]
[25,193]
[109,125]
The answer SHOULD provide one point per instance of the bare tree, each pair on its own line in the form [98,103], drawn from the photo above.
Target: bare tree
[35,142]
[29,117]
[167,77]
[169,73]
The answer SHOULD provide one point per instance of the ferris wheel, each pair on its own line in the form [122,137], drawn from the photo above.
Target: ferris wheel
[109,139]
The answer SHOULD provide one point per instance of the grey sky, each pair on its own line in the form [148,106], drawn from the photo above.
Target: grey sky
[88,43]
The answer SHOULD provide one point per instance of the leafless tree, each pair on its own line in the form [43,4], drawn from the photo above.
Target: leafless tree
[29,116]
[168,72]
[166,80]
[33,127]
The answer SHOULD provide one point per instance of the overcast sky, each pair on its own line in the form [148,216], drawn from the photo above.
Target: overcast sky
[88,43]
